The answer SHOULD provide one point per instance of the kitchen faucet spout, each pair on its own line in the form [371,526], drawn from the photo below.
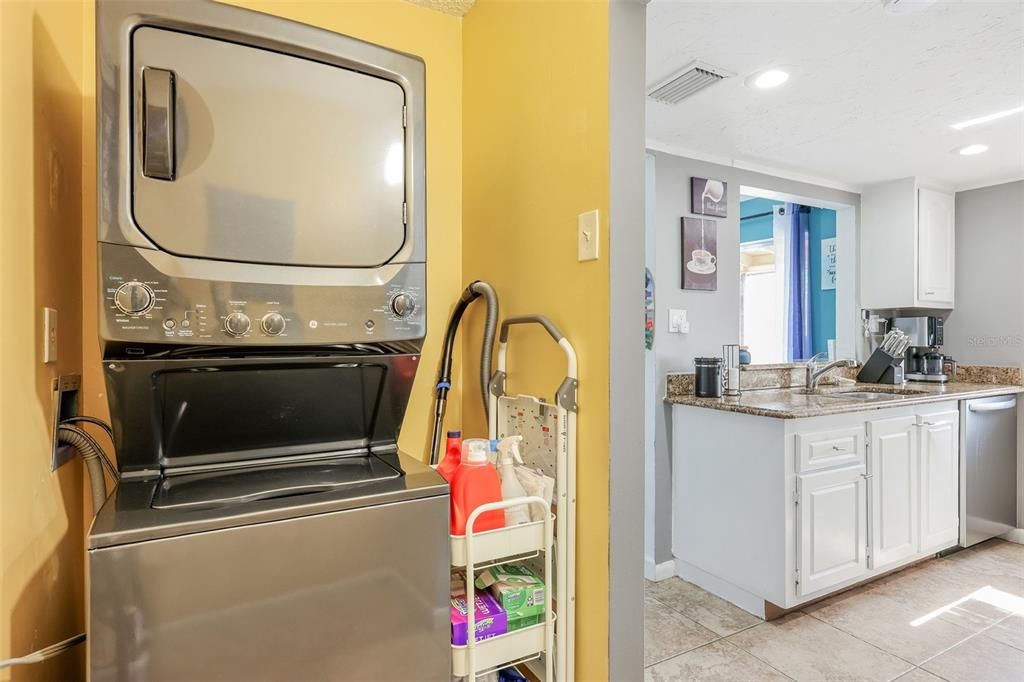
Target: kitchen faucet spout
[815,373]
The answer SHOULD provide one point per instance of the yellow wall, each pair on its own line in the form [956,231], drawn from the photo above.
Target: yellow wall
[437,39]
[517,146]
[41,513]
[535,154]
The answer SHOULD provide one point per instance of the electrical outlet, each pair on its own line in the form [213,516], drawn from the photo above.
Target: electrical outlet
[677,322]
[49,335]
[589,229]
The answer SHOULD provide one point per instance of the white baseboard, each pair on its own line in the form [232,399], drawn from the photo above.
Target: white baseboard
[724,589]
[659,572]
[1015,535]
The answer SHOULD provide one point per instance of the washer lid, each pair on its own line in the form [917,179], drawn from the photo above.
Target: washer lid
[221,489]
[244,154]
[131,514]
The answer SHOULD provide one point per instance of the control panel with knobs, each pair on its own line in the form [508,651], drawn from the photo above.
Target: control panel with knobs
[237,324]
[402,304]
[272,324]
[134,298]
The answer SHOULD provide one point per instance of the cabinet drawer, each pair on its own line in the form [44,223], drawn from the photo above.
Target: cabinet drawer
[827,449]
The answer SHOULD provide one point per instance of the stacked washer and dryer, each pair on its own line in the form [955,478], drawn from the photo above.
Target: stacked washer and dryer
[262,311]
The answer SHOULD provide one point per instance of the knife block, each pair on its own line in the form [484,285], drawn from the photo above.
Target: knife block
[882,368]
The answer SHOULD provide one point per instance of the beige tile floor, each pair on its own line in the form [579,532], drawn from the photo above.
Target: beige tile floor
[959,618]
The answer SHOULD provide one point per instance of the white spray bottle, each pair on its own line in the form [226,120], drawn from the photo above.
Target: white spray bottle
[508,457]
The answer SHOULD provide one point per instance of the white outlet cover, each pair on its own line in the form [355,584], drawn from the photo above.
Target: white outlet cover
[49,335]
[677,322]
[588,235]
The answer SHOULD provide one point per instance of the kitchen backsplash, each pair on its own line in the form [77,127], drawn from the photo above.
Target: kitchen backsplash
[792,376]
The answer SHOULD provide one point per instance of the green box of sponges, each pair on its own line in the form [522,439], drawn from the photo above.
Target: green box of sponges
[519,590]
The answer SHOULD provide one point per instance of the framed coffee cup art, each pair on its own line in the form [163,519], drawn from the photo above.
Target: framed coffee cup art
[700,254]
[708,197]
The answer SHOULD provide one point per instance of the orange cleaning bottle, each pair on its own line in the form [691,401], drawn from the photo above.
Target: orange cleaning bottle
[452,455]
[475,483]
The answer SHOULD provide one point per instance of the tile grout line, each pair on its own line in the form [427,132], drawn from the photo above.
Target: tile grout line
[739,648]
[680,653]
[969,637]
[910,663]
[726,641]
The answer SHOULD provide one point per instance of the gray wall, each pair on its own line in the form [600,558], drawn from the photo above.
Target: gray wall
[628,30]
[714,316]
[987,325]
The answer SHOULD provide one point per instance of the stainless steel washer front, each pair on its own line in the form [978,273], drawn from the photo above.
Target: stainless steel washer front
[343,585]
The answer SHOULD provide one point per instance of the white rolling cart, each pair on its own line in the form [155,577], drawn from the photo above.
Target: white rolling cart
[549,444]
[476,551]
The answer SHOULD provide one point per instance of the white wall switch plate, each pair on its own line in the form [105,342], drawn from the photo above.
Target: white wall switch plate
[589,235]
[49,335]
[677,322]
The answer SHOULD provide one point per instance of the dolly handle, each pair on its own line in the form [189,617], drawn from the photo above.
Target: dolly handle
[552,330]
[530,319]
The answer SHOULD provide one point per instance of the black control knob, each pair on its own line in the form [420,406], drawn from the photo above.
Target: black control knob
[237,324]
[272,324]
[134,298]
[402,304]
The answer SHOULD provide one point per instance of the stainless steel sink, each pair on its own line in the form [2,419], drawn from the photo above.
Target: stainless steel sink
[864,393]
[860,395]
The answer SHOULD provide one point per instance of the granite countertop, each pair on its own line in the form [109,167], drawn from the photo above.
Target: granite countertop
[797,402]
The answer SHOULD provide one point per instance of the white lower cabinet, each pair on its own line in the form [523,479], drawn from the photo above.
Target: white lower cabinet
[893,500]
[900,505]
[940,469]
[832,528]
[784,511]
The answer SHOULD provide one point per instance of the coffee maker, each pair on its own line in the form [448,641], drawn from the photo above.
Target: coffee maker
[925,360]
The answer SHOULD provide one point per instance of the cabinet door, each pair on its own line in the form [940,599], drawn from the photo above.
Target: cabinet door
[940,468]
[893,498]
[935,247]
[831,528]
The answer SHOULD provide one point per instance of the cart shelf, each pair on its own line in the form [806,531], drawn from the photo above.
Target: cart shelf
[500,545]
[503,650]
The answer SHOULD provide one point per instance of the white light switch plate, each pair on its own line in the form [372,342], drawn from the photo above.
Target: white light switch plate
[677,322]
[49,335]
[589,235]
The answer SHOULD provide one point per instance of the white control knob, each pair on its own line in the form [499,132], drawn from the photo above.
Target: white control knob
[237,324]
[134,298]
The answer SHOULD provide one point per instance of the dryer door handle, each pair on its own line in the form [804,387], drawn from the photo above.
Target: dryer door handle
[158,138]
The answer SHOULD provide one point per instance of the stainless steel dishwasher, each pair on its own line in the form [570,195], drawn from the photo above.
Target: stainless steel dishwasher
[988,468]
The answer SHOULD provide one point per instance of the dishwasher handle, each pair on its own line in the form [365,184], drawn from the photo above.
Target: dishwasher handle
[992,407]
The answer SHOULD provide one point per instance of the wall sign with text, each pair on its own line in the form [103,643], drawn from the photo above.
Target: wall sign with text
[828,263]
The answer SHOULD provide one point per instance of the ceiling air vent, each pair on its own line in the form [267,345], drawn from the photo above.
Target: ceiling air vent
[694,77]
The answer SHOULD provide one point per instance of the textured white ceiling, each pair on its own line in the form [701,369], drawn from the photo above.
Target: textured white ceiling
[872,95]
[456,8]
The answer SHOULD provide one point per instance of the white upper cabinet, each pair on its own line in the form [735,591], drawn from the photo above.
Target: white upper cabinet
[907,237]
[935,248]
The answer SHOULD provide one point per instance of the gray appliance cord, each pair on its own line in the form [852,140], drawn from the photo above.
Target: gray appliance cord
[491,323]
[44,653]
[90,451]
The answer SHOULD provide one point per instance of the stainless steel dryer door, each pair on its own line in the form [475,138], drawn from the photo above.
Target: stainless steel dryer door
[245,154]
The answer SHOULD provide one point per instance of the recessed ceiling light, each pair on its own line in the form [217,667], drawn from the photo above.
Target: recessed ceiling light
[769,78]
[972,149]
[985,119]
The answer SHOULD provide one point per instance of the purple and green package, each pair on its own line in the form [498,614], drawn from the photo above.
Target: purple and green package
[491,620]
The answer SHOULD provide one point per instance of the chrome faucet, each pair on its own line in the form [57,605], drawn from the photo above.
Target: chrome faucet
[814,373]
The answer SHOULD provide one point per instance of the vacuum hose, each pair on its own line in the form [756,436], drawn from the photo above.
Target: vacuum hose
[444,374]
[91,454]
